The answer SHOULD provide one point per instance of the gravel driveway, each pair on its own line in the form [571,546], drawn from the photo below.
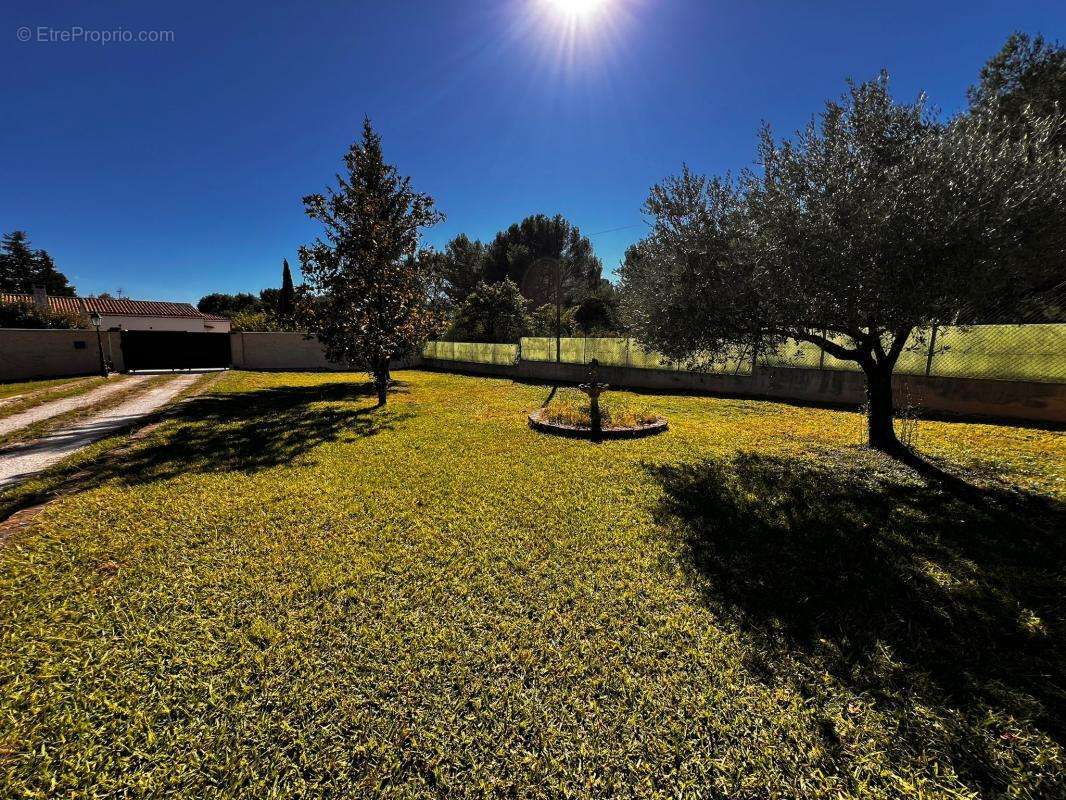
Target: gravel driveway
[57,407]
[21,462]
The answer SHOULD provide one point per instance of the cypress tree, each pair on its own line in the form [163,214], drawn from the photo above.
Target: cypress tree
[287,295]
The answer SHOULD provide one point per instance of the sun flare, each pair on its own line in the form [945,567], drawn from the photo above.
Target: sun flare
[578,9]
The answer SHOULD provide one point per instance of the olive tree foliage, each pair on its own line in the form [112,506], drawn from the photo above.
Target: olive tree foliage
[877,221]
[1027,73]
[372,292]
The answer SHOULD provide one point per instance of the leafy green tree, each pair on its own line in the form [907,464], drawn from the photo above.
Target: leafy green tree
[226,305]
[27,315]
[1027,73]
[597,313]
[22,268]
[543,322]
[268,301]
[877,222]
[256,321]
[493,312]
[374,296]
[537,240]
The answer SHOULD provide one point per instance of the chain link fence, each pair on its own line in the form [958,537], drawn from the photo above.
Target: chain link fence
[1025,352]
[614,352]
[472,352]
[1022,352]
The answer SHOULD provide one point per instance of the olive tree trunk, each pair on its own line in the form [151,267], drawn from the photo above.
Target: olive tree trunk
[880,428]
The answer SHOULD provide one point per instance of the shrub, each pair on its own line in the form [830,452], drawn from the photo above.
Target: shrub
[27,315]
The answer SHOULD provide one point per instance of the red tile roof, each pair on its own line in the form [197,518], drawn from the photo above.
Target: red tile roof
[112,306]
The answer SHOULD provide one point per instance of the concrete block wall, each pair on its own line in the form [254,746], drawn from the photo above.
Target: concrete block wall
[28,354]
[284,351]
[280,351]
[1021,400]
[470,367]
[970,397]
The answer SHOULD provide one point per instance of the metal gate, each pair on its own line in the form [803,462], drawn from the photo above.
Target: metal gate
[175,350]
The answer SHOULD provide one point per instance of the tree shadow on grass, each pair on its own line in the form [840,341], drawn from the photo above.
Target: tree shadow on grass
[251,431]
[912,594]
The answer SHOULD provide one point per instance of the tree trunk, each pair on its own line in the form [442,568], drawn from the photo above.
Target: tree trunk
[381,380]
[879,413]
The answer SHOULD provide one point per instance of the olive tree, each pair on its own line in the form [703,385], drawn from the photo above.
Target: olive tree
[876,222]
[372,293]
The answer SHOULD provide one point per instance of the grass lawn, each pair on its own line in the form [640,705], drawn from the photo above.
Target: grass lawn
[284,592]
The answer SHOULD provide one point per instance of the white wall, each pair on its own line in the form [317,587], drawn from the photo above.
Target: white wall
[138,323]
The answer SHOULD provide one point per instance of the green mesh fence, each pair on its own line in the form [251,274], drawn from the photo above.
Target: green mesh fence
[613,352]
[1019,352]
[474,352]
[1034,352]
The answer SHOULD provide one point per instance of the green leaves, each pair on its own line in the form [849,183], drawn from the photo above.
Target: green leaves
[373,295]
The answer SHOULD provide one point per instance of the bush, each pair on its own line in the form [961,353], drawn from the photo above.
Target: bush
[493,312]
[260,321]
[26,315]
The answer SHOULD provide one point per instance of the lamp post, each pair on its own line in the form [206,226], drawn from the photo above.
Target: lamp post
[94,317]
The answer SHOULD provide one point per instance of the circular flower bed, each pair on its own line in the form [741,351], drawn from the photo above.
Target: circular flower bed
[570,415]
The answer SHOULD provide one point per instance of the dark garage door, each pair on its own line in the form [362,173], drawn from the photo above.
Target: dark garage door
[175,350]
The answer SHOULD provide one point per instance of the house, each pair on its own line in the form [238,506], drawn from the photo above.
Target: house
[120,313]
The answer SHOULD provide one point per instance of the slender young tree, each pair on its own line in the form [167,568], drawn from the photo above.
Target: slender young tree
[373,295]
[877,222]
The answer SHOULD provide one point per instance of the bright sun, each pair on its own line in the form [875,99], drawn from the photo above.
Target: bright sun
[577,9]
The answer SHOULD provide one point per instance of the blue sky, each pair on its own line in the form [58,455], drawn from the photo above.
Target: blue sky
[174,169]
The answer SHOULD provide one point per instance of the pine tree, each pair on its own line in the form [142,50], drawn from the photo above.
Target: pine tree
[22,268]
[373,294]
[18,266]
[53,281]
